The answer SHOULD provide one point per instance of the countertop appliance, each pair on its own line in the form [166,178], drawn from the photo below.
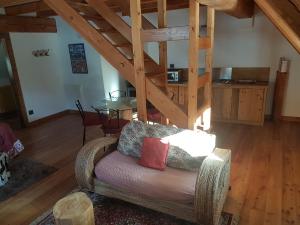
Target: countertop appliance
[175,76]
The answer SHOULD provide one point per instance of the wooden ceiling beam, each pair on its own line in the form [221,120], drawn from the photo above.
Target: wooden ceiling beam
[237,8]
[243,9]
[37,6]
[26,8]
[27,24]
[166,34]
[285,16]
[7,3]
[46,13]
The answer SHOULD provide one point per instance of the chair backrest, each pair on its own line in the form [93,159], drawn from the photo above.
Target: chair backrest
[117,94]
[80,109]
[103,113]
[110,114]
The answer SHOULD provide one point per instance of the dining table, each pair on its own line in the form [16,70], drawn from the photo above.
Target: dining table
[126,106]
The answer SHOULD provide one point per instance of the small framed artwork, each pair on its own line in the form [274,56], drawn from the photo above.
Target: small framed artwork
[78,58]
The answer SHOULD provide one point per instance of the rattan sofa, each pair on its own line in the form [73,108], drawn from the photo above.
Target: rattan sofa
[210,192]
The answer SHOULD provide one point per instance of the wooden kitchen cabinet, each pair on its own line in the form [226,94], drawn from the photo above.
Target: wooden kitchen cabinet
[222,104]
[251,105]
[238,103]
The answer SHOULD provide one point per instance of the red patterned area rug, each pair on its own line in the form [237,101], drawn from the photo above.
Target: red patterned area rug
[116,212]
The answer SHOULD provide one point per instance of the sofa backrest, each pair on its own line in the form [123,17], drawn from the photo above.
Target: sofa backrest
[187,148]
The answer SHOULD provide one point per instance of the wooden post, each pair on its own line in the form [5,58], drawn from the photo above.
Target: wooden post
[163,55]
[279,95]
[138,55]
[208,68]
[74,209]
[162,23]
[194,8]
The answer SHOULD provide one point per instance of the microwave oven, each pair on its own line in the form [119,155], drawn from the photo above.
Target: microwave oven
[174,76]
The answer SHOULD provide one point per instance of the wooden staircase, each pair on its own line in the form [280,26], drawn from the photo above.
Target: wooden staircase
[122,46]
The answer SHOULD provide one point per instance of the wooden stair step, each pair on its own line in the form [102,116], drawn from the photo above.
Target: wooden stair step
[93,17]
[108,30]
[154,74]
[123,45]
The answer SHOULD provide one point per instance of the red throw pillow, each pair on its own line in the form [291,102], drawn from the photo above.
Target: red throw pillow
[154,153]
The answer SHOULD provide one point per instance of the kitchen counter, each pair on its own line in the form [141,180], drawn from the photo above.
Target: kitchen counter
[234,84]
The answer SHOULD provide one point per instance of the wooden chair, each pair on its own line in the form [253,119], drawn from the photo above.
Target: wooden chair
[117,94]
[113,124]
[153,115]
[88,119]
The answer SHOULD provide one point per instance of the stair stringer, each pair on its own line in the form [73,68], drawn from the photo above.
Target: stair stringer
[108,51]
[154,94]
[119,24]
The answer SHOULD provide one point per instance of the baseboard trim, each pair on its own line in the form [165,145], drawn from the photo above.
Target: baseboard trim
[48,118]
[54,116]
[290,119]
[72,111]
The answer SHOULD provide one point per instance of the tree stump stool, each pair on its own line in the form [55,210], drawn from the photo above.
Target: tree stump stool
[74,209]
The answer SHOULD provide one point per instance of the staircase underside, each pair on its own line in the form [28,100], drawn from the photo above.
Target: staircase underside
[285,16]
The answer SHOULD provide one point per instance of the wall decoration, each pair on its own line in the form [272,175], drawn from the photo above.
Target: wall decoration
[41,52]
[78,59]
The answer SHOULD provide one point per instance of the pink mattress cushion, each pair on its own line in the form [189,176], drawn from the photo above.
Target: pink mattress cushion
[124,173]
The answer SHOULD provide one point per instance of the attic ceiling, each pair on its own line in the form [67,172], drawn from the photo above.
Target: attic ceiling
[285,15]
[241,9]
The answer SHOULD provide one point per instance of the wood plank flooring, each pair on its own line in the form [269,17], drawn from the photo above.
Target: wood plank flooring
[265,177]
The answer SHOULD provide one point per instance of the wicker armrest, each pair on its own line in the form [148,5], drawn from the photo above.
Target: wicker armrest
[89,154]
[212,187]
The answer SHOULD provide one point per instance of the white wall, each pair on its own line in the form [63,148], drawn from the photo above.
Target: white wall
[240,43]
[48,84]
[41,78]
[292,99]
[101,78]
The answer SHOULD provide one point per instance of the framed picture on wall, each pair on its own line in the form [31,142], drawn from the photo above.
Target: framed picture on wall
[78,59]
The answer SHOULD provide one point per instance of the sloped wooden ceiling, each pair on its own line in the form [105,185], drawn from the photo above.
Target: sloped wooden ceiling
[285,16]
[296,3]
[237,8]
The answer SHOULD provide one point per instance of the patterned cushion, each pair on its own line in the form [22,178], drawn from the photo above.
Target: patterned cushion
[187,148]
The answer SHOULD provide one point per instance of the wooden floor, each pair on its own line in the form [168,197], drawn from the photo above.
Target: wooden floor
[265,177]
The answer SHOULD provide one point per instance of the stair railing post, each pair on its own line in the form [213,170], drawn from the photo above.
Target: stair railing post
[163,48]
[206,117]
[138,56]
[194,21]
